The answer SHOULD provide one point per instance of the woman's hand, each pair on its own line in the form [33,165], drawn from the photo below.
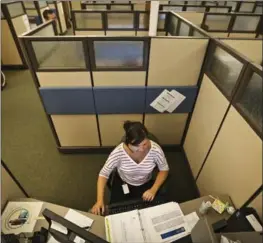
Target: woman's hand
[98,208]
[149,195]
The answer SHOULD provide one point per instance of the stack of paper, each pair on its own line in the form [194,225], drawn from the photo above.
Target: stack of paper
[168,101]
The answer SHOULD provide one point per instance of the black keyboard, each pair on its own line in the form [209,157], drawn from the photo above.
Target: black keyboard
[132,205]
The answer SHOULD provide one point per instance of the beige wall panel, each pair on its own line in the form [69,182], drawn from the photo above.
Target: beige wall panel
[249,48]
[161,33]
[31,12]
[208,113]
[64,79]
[76,130]
[20,25]
[92,32]
[168,128]
[139,6]
[243,35]
[119,78]
[234,166]
[181,61]
[9,189]
[257,204]
[142,33]
[76,5]
[218,34]
[62,17]
[111,127]
[120,33]
[9,52]
[195,18]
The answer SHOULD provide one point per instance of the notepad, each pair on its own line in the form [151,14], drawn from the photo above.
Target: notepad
[162,223]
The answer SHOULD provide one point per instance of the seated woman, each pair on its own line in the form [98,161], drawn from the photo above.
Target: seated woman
[134,160]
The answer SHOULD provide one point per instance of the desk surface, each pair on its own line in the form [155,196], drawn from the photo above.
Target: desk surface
[98,227]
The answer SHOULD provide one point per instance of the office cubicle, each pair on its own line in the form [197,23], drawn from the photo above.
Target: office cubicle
[14,22]
[232,24]
[103,81]
[58,7]
[115,23]
[35,9]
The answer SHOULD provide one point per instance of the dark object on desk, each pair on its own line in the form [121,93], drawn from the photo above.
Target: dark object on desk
[9,238]
[40,237]
[132,205]
[72,228]
[219,225]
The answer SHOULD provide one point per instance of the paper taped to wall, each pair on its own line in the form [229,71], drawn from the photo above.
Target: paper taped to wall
[167,101]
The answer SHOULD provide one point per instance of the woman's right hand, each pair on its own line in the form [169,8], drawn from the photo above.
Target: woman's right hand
[98,208]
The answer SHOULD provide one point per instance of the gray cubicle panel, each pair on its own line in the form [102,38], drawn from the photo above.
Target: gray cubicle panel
[222,71]
[10,189]
[234,164]
[14,22]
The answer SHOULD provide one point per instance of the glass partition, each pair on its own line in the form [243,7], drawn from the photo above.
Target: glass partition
[218,10]
[88,20]
[246,7]
[225,70]
[196,9]
[29,4]
[173,8]
[59,54]
[246,23]
[259,9]
[217,22]
[120,20]
[119,54]
[197,3]
[15,9]
[144,21]
[161,21]
[250,101]
[198,34]
[96,6]
[46,31]
[172,27]
[42,4]
[121,7]
[184,29]
[232,4]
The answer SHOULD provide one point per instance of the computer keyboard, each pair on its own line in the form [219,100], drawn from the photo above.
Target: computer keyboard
[132,205]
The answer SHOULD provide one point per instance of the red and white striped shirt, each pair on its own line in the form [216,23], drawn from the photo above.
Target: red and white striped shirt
[131,172]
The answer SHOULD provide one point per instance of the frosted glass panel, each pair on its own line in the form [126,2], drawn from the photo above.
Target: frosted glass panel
[184,29]
[59,54]
[247,23]
[173,8]
[251,100]
[259,9]
[96,7]
[218,10]
[88,20]
[173,25]
[29,4]
[120,7]
[196,9]
[111,54]
[225,69]
[120,20]
[15,9]
[246,7]
[47,31]
[161,21]
[144,21]
[217,22]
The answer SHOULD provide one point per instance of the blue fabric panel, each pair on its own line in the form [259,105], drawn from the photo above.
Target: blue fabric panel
[119,100]
[68,100]
[185,107]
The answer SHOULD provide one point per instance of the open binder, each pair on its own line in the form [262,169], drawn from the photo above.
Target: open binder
[162,223]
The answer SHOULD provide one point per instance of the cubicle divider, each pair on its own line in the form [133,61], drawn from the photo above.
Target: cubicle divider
[14,22]
[224,139]
[115,23]
[35,9]
[233,24]
[89,85]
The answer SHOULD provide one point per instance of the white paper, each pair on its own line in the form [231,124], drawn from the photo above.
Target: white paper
[191,220]
[178,99]
[254,222]
[160,222]
[12,212]
[58,227]
[78,218]
[163,101]
[52,240]
[79,240]
[124,227]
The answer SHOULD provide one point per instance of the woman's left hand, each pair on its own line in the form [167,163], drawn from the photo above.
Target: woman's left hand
[149,195]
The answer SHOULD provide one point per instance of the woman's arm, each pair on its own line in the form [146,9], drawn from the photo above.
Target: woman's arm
[101,183]
[160,179]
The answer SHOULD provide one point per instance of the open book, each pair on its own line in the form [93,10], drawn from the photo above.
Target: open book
[162,223]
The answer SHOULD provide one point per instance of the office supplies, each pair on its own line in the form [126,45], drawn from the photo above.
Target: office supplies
[73,230]
[20,217]
[204,207]
[133,204]
[218,206]
[162,223]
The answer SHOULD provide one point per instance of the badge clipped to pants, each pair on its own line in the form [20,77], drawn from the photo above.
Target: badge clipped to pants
[125,189]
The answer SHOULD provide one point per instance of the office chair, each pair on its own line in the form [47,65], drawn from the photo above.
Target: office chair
[162,190]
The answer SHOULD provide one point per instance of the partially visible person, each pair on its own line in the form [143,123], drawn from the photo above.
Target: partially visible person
[134,161]
[49,14]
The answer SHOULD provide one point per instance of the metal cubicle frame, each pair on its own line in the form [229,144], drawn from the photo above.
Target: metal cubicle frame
[184,7]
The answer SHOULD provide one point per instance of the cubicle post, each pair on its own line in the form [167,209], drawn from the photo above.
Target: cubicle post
[8,18]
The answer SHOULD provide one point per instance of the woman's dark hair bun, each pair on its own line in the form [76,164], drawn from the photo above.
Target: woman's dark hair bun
[135,132]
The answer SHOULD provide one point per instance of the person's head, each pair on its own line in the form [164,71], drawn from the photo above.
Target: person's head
[136,136]
[49,14]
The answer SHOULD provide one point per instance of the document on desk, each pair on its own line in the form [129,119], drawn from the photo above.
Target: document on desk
[162,223]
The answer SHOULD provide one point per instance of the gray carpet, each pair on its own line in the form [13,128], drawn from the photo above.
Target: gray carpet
[29,150]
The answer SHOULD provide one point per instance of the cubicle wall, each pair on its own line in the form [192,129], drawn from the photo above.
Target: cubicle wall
[115,23]
[14,22]
[10,189]
[35,9]
[90,85]
[224,140]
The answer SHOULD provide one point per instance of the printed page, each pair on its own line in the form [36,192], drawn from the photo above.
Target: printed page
[124,227]
[164,223]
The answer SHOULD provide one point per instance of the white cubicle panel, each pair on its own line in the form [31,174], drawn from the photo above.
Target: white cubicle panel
[62,17]
[90,32]
[234,165]
[21,24]
[195,18]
